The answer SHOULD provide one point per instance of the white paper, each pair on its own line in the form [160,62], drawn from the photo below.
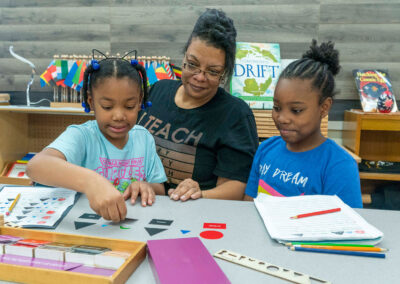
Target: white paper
[343,225]
[37,206]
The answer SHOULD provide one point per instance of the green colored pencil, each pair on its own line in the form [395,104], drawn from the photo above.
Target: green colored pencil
[327,244]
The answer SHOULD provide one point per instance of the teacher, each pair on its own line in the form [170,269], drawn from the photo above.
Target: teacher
[205,137]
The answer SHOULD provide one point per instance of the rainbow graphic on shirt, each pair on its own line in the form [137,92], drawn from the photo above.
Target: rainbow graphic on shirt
[263,187]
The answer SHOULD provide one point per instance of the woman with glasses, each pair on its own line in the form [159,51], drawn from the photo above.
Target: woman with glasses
[205,137]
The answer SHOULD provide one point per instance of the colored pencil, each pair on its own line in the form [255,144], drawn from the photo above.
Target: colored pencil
[13,204]
[315,213]
[375,249]
[327,244]
[344,252]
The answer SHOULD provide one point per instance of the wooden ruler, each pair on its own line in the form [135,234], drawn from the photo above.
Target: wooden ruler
[268,268]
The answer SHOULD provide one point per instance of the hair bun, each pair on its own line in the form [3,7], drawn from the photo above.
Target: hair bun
[326,54]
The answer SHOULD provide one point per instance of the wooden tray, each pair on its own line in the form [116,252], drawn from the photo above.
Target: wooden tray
[25,274]
[11,180]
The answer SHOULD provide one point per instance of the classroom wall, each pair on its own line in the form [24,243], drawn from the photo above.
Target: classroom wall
[366,32]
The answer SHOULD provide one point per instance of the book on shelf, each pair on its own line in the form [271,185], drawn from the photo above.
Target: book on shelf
[345,225]
[375,90]
[256,72]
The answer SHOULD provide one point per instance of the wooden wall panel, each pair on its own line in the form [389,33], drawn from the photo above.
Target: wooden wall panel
[362,13]
[54,16]
[366,32]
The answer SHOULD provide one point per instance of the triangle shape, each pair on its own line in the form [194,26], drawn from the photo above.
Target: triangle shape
[338,233]
[80,225]
[11,199]
[26,212]
[154,231]
[20,217]
[28,208]
[185,231]
[43,199]
[33,204]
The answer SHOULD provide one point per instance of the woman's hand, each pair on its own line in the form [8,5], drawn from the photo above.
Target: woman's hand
[187,189]
[143,188]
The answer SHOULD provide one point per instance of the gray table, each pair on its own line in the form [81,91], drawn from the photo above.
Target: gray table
[246,234]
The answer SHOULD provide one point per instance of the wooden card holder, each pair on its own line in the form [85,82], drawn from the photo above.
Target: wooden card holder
[10,180]
[26,274]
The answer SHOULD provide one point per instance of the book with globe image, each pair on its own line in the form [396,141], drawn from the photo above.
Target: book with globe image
[256,73]
[375,90]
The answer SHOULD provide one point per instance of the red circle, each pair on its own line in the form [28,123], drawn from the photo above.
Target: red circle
[211,235]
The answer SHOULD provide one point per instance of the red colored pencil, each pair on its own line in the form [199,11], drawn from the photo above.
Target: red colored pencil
[315,213]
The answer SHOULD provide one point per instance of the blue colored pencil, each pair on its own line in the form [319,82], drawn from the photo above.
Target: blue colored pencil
[356,253]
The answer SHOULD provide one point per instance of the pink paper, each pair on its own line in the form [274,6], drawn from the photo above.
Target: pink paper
[184,260]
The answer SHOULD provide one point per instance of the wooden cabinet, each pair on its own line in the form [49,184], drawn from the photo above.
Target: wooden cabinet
[373,136]
[30,129]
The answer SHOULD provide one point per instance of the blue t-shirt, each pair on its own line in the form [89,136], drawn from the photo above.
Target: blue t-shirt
[84,145]
[326,169]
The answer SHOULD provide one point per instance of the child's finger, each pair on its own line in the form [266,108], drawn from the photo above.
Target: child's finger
[127,193]
[114,213]
[144,196]
[134,189]
[151,198]
[170,191]
[121,206]
[104,214]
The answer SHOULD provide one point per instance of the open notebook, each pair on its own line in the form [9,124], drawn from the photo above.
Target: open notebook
[345,225]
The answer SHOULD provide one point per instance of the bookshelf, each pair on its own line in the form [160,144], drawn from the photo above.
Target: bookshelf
[30,129]
[373,136]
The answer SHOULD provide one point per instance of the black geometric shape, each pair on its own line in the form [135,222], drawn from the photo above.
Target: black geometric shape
[33,204]
[28,208]
[92,216]
[26,212]
[43,199]
[80,225]
[338,233]
[20,217]
[128,221]
[161,222]
[153,231]
[11,199]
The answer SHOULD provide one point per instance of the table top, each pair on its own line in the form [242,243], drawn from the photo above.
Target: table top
[246,234]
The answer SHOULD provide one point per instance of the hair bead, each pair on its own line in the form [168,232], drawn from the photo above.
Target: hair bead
[134,62]
[95,64]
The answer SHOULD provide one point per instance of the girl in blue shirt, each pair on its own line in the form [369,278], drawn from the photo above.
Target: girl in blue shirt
[111,152]
[301,160]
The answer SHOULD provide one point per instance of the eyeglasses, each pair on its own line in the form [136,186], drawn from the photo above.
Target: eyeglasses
[209,74]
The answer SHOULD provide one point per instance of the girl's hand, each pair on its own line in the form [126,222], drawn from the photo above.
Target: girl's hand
[143,188]
[107,202]
[187,189]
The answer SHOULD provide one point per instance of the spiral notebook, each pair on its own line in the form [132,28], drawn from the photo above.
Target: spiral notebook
[345,225]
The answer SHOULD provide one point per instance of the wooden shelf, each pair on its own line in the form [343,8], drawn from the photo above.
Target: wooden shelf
[372,136]
[379,176]
[30,129]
